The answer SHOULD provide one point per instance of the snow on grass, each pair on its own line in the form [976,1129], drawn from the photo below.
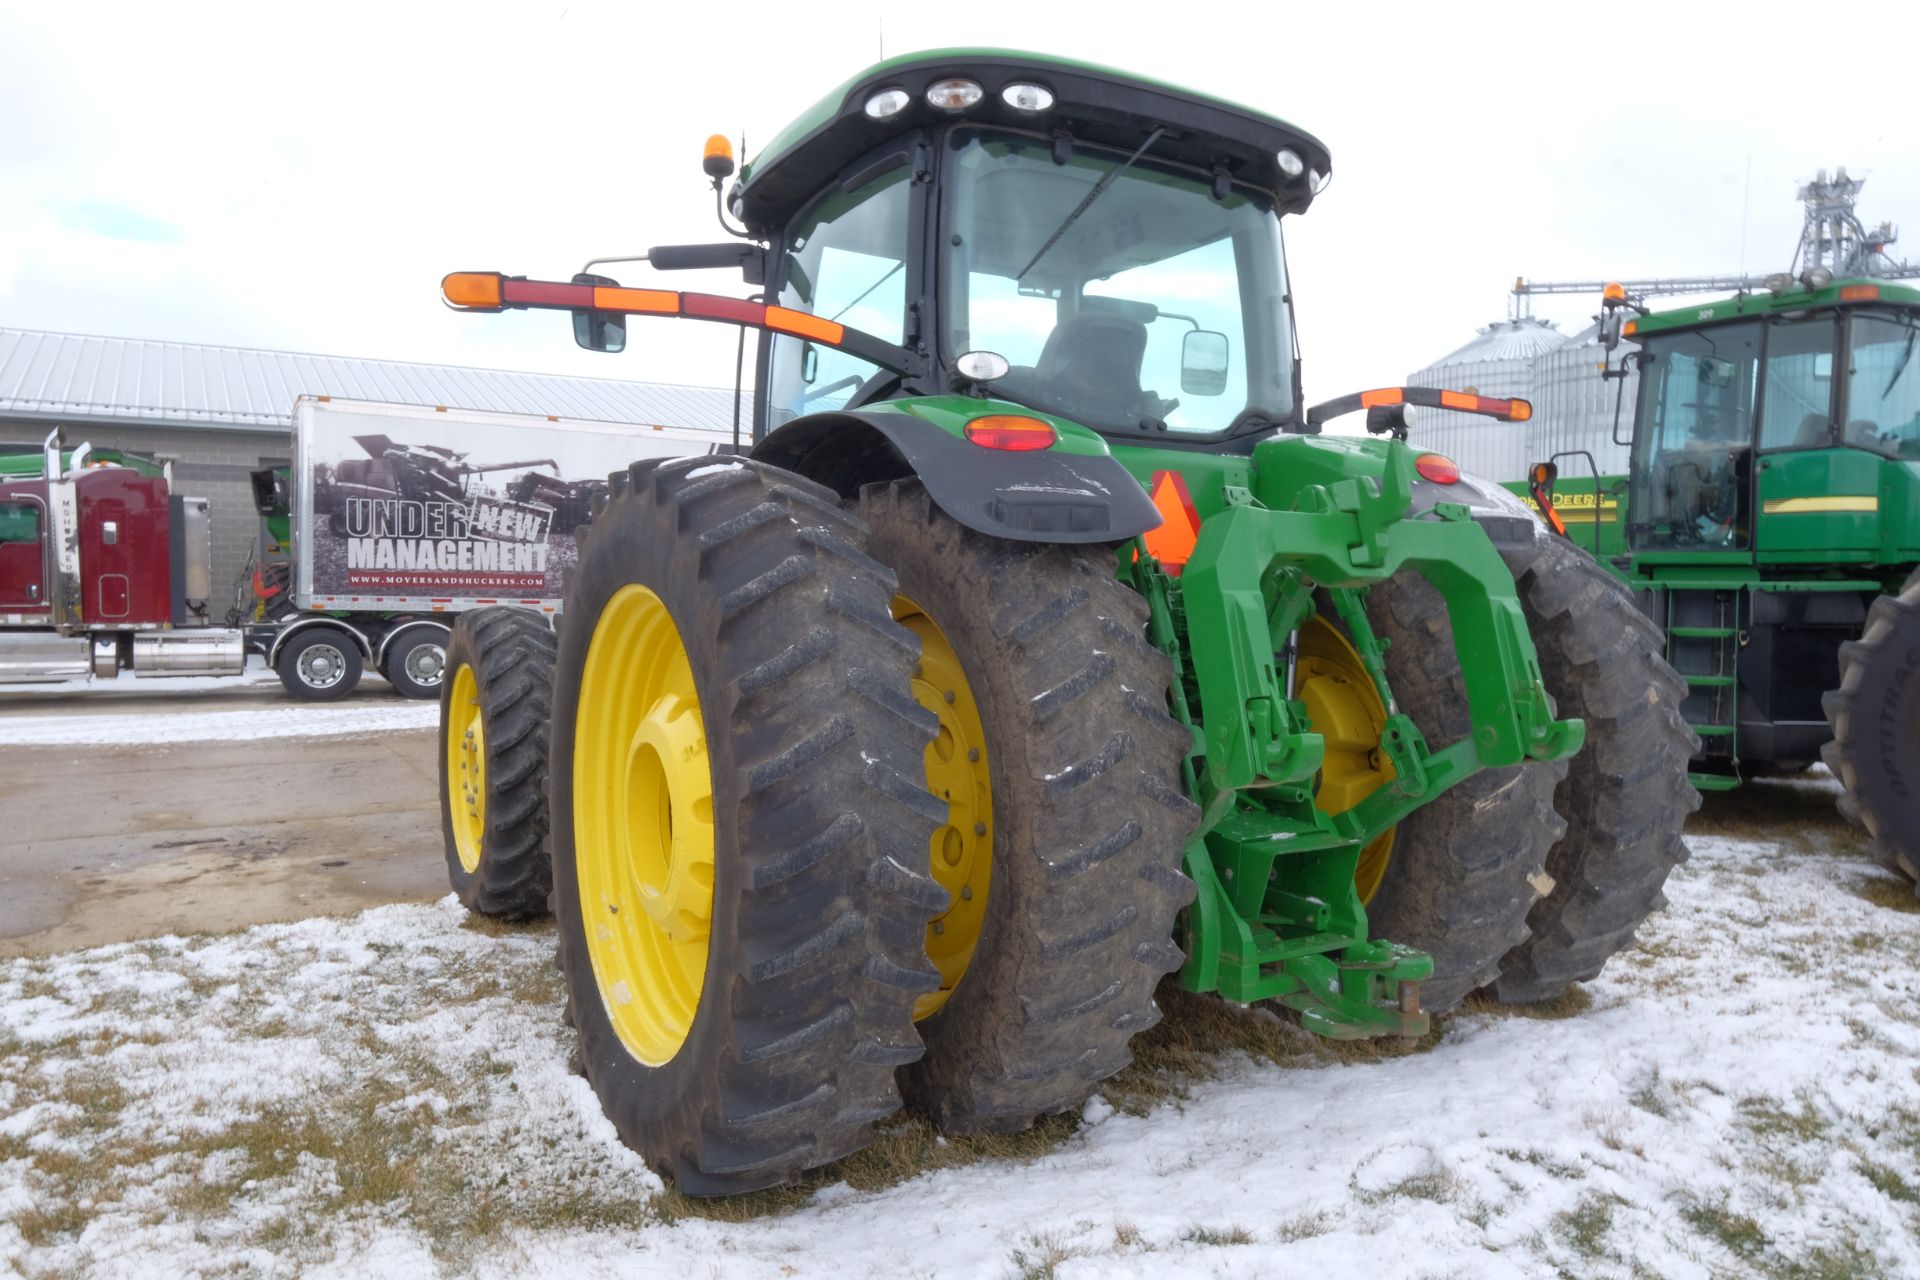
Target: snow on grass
[280,720]
[389,1095]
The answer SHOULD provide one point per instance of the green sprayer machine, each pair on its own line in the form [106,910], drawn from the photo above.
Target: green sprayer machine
[1771,521]
[1036,647]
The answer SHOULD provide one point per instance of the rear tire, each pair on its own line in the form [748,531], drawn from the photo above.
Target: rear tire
[1625,796]
[1466,868]
[1089,818]
[1875,714]
[495,701]
[816,825]
[321,664]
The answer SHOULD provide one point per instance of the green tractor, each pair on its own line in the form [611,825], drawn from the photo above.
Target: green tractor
[1039,647]
[1772,530]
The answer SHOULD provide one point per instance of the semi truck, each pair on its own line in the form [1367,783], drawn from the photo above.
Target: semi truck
[392,520]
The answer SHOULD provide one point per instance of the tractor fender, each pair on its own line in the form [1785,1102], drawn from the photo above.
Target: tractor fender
[1510,524]
[1045,495]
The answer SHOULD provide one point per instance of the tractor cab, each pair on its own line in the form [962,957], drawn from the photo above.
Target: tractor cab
[1119,267]
[1765,422]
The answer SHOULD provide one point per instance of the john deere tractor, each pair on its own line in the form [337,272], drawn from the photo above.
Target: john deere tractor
[1038,648]
[1772,521]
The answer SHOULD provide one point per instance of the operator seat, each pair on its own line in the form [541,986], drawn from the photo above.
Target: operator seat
[1814,430]
[1091,364]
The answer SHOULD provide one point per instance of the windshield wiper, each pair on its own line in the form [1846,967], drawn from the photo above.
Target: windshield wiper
[1906,354]
[1099,189]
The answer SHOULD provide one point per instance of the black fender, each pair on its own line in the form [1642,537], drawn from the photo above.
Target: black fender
[1510,524]
[1041,496]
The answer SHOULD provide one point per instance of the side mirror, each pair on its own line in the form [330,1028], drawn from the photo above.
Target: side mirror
[1610,330]
[599,330]
[1203,363]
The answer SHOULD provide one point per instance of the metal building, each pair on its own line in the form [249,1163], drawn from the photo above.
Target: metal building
[1573,407]
[1498,362]
[219,413]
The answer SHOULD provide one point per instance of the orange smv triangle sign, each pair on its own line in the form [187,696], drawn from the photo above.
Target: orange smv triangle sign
[1172,543]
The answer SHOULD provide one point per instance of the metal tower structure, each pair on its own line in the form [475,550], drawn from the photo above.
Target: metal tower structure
[1831,239]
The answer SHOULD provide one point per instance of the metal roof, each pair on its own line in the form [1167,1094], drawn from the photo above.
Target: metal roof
[80,377]
[1508,340]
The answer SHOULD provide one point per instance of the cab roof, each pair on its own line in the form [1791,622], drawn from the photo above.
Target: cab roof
[1094,104]
[1853,291]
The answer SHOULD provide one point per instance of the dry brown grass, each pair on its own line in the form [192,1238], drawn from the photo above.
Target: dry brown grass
[1801,819]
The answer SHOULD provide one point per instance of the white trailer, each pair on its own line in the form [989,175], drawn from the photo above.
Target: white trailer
[396,517]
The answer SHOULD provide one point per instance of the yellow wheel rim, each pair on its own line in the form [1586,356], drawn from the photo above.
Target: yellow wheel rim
[467,768]
[643,825]
[957,773]
[1344,708]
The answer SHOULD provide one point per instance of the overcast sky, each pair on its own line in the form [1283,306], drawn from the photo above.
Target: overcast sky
[300,177]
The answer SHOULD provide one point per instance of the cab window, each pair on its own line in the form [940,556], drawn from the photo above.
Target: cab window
[1883,386]
[1797,388]
[845,260]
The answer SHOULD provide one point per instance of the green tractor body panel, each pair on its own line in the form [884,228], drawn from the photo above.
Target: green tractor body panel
[1774,495]
[26,463]
[1234,521]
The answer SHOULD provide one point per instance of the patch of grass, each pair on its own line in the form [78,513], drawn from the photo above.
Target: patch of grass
[1126,1236]
[1895,893]
[1648,1097]
[1040,1257]
[1571,1004]
[1801,820]
[1888,1182]
[1739,1234]
[1304,1227]
[1541,1160]
[1584,1227]
[1217,1235]
[1767,1118]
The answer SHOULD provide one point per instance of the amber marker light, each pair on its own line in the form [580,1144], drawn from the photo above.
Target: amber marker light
[1011,432]
[1860,293]
[1614,293]
[1630,328]
[472,290]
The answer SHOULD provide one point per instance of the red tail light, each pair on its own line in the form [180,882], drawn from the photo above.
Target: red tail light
[1437,467]
[1011,432]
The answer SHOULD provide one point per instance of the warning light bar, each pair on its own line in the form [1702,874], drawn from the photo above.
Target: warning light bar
[1515,410]
[491,291]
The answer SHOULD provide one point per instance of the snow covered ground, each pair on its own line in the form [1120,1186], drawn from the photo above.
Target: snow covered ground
[276,720]
[389,1095]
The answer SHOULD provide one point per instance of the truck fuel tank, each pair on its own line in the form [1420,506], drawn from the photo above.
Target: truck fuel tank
[196,652]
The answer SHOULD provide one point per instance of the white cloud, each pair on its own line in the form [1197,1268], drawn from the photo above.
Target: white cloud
[324,166]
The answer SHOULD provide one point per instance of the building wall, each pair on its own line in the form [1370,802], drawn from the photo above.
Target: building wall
[207,463]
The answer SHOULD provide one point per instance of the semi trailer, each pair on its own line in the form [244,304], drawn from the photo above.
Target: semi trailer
[392,520]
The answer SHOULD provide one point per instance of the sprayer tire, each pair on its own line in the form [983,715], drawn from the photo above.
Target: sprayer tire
[1875,716]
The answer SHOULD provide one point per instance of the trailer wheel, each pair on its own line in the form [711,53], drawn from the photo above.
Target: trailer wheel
[321,664]
[740,831]
[1066,821]
[416,664]
[1875,714]
[1457,877]
[1625,796]
[494,707]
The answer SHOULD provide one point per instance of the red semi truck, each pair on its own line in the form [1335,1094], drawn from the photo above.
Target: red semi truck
[397,520]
